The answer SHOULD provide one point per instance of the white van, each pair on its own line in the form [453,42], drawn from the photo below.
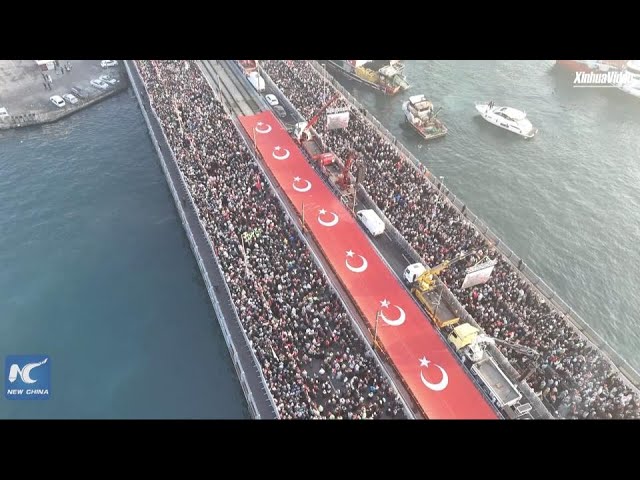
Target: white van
[257,81]
[372,221]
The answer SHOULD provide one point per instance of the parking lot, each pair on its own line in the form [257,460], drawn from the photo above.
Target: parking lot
[22,85]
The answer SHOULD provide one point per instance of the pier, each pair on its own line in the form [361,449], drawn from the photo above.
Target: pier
[27,102]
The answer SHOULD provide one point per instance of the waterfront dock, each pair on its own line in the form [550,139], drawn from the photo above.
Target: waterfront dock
[27,101]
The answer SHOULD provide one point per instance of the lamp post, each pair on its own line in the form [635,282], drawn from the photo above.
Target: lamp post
[244,255]
[303,216]
[375,331]
[324,79]
[304,227]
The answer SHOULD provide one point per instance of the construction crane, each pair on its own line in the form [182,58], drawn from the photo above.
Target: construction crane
[423,284]
[344,181]
[301,130]
[424,280]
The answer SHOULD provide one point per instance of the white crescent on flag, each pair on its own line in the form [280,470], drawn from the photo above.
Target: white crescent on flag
[280,153]
[306,188]
[398,321]
[359,269]
[436,387]
[330,223]
[262,127]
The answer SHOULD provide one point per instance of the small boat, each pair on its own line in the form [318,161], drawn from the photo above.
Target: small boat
[508,118]
[419,113]
[386,76]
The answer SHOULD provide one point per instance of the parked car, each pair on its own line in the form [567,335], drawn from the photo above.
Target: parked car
[281,112]
[99,84]
[271,99]
[108,79]
[70,98]
[3,112]
[57,101]
[108,63]
[77,92]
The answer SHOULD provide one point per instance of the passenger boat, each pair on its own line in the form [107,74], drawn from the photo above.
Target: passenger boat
[508,118]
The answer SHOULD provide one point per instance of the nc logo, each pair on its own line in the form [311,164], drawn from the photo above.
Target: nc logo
[27,377]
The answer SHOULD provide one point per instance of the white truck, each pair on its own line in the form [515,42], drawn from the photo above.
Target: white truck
[257,81]
[371,221]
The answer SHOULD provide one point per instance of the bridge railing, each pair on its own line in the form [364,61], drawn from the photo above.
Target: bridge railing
[629,374]
[255,412]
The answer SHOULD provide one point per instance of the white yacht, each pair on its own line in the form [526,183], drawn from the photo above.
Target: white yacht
[508,118]
[631,76]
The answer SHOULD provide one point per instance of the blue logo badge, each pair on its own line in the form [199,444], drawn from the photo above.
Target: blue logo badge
[27,377]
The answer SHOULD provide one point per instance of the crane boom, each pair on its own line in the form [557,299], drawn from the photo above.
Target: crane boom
[426,281]
[518,348]
[316,117]
[302,128]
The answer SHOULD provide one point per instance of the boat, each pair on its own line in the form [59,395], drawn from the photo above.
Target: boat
[508,118]
[386,76]
[591,65]
[630,80]
[419,113]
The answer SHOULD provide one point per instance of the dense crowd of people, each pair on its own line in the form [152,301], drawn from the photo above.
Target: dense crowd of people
[572,378]
[315,364]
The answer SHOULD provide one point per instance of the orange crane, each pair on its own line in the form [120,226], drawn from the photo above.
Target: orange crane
[345,178]
[301,131]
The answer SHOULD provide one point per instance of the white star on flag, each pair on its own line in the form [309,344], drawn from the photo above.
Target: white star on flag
[259,124]
[296,179]
[385,303]
[278,148]
[322,211]
[424,362]
[350,253]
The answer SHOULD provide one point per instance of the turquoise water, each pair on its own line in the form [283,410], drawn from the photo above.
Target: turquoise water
[96,271]
[567,201]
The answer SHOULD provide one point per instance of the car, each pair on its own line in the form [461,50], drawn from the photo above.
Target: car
[70,98]
[108,79]
[57,101]
[3,112]
[108,63]
[99,84]
[281,112]
[77,92]
[271,99]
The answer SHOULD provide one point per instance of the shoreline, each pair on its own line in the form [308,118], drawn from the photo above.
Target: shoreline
[40,111]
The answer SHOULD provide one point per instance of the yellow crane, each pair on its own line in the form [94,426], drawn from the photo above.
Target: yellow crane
[423,283]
